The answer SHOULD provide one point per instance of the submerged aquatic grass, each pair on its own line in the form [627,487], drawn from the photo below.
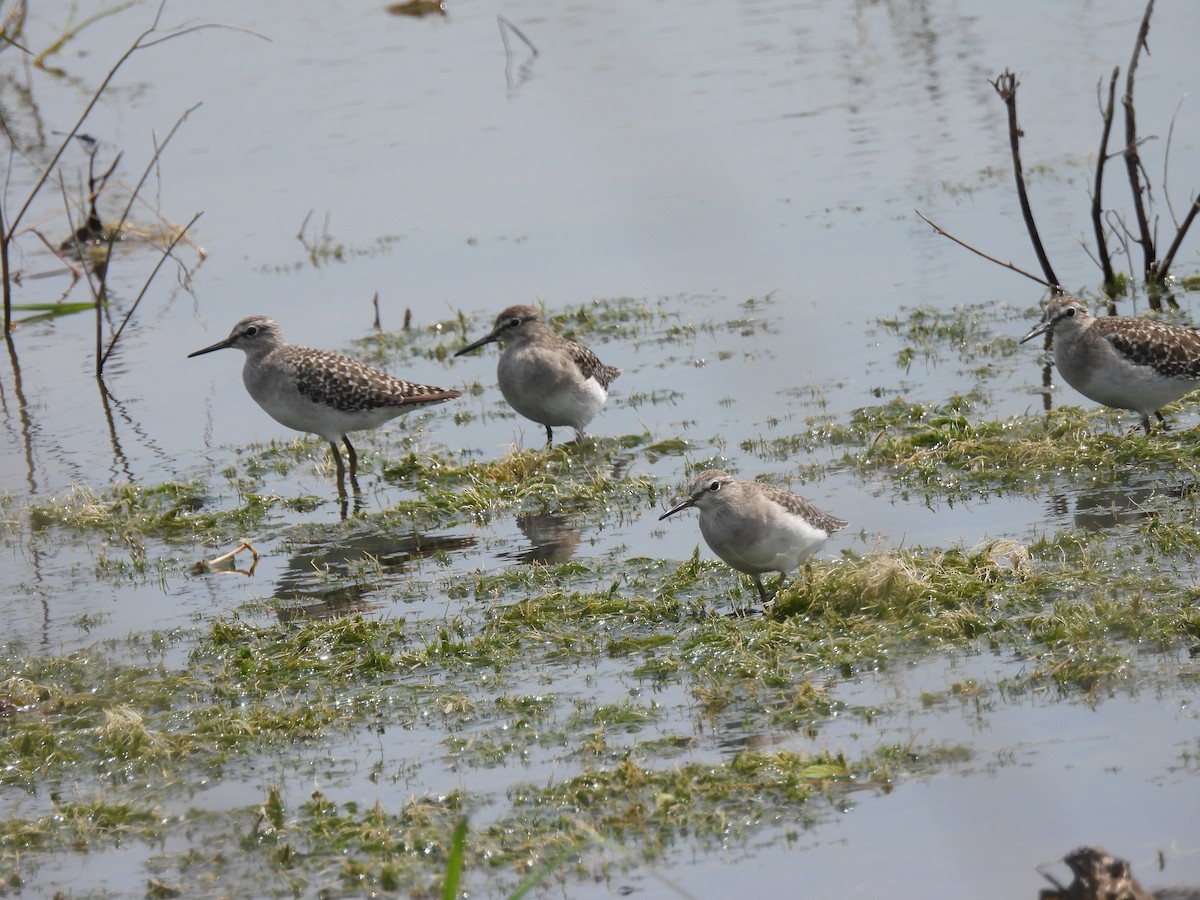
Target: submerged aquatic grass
[250,689]
[621,674]
[605,820]
[965,332]
[952,450]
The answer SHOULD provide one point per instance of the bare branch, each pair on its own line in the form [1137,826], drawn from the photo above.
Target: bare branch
[1097,207]
[1006,86]
[115,232]
[1163,267]
[71,32]
[77,238]
[142,293]
[1160,272]
[202,26]
[1133,164]
[524,69]
[76,274]
[937,228]
[147,38]
[1122,233]
[1167,161]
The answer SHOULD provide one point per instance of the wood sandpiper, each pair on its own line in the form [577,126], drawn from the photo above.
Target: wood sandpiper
[1121,361]
[544,376]
[755,527]
[320,392]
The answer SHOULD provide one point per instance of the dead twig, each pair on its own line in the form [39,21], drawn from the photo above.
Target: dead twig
[1164,265]
[148,38]
[1114,235]
[224,562]
[1008,265]
[115,233]
[523,71]
[70,32]
[1110,278]
[76,274]
[1121,232]
[1167,163]
[145,287]
[1006,86]
[1133,162]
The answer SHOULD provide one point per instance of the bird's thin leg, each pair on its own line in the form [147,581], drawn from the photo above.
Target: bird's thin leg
[1161,420]
[358,504]
[341,469]
[549,437]
[762,591]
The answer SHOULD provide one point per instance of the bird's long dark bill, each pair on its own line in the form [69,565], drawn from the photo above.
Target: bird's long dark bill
[1039,328]
[486,339]
[219,345]
[686,504]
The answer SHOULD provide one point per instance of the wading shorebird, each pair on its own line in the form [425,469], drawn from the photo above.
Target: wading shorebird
[756,528]
[320,392]
[1120,361]
[544,376]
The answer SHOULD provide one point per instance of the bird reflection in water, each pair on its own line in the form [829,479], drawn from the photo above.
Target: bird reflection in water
[325,579]
[552,538]
[336,577]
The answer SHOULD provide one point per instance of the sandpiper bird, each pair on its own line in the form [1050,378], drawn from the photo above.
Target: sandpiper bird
[1120,361]
[755,527]
[542,375]
[320,392]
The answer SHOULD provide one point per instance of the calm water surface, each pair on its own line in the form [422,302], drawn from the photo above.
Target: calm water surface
[692,155]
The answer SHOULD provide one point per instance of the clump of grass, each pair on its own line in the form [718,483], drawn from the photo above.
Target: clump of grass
[949,450]
[71,710]
[129,513]
[76,826]
[909,586]
[570,478]
[590,479]
[409,850]
[260,660]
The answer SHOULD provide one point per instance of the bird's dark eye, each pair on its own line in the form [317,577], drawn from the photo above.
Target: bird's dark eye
[715,486]
[1070,311]
[514,322]
[252,331]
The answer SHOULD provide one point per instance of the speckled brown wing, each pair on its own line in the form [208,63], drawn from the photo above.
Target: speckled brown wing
[590,365]
[1099,875]
[1171,350]
[348,385]
[801,507]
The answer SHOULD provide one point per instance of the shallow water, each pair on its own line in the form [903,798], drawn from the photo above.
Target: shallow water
[750,169]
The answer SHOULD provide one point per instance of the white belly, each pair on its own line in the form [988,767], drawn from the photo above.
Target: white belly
[756,546]
[549,389]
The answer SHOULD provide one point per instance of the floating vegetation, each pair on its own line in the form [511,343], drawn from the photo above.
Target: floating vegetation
[928,334]
[952,449]
[615,678]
